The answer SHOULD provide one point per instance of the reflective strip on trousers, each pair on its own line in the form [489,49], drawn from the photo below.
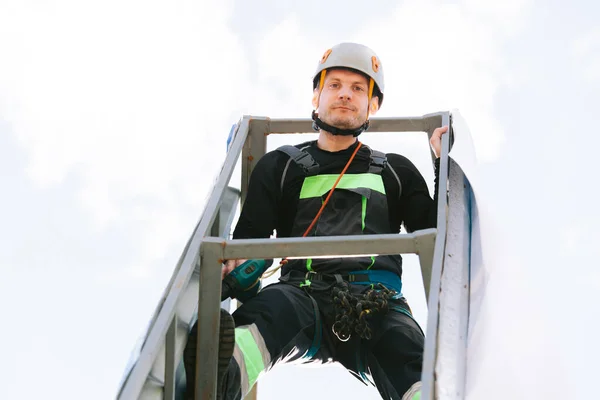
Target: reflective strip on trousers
[251,354]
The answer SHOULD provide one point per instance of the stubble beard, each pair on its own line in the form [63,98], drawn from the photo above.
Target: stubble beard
[342,121]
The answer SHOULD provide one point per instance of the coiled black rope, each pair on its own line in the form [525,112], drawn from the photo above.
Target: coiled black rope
[354,312]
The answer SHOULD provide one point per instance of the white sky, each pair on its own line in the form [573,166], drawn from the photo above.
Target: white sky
[113,122]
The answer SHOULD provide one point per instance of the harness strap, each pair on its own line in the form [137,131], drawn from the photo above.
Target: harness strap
[310,167]
[316,343]
[378,161]
[305,285]
[302,158]
[369,277]
[397,180]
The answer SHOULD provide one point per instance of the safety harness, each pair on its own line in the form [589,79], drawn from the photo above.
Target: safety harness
[362,192]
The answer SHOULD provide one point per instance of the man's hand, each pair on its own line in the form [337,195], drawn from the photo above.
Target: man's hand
[436,140]
[229,266]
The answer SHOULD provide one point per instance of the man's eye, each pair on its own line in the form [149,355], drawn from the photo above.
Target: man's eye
[359,88]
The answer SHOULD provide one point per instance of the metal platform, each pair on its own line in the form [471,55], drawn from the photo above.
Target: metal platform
[156,372]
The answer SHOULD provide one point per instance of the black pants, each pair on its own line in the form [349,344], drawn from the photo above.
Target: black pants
[280,324]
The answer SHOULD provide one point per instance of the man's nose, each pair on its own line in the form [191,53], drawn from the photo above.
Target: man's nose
[345,93]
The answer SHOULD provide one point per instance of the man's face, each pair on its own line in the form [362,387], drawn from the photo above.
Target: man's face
[344,99]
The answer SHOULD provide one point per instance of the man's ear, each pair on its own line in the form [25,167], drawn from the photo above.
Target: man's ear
[315,99]
[374,106]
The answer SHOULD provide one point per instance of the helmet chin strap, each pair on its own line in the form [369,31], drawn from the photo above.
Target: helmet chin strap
[319,124]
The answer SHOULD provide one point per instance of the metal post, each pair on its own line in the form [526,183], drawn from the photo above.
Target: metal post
[254,148]
[430,351]
[209,303]
[257,139]
[454,297]
[425,246]
[170,360]
[214,230]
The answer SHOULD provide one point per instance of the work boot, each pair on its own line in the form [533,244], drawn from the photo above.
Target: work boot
[226,346]
[414,393]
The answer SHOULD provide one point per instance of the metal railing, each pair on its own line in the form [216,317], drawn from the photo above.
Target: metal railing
[196,281]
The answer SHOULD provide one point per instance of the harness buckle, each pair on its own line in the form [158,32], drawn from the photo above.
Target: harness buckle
[307,163]
[307,280]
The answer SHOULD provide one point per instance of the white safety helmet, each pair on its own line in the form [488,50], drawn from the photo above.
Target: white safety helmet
[356,57]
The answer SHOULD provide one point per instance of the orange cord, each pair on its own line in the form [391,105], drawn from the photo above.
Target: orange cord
[312,224]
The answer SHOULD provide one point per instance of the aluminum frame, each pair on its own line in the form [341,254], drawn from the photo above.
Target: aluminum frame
[196,280]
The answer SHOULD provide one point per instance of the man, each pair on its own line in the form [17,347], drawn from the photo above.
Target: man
[350,310]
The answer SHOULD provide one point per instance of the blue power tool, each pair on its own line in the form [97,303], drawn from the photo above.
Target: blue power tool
[244,281]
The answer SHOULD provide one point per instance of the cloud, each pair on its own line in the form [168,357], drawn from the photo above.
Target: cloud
[440,56]
[586,54]
[285,62]
[436,56]
[129,101]
[123,109]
